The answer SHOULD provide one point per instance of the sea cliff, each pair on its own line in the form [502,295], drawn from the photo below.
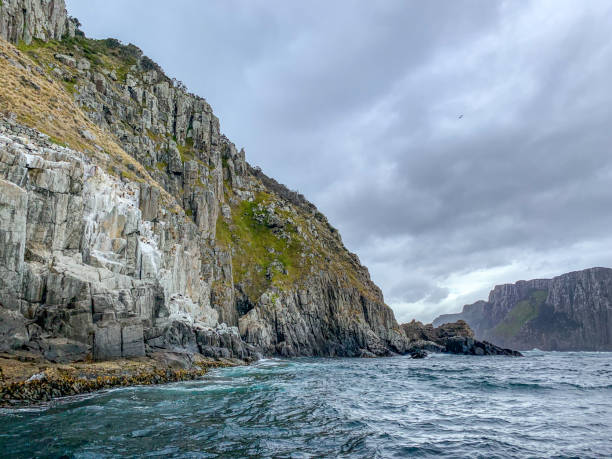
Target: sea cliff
[131,224]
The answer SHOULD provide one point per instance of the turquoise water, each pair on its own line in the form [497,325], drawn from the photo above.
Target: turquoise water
[543,405]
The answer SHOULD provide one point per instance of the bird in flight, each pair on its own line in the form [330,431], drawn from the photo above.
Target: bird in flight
[460,116]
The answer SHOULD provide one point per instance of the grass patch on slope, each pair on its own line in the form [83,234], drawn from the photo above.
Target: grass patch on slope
[262,256]
[109,54]
[519,315]
[187,151]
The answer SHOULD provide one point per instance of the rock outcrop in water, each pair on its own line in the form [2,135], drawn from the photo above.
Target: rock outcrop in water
[129,223]
[570,312]
[451,338]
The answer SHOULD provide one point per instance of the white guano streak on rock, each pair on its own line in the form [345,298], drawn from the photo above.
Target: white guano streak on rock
[111,213]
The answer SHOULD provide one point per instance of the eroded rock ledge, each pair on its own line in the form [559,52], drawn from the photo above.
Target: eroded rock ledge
[27,379]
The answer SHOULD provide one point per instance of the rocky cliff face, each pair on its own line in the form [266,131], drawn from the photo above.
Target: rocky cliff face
[569,312]
[130,223]
[25,20]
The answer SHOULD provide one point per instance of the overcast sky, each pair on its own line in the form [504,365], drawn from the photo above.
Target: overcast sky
[455,144]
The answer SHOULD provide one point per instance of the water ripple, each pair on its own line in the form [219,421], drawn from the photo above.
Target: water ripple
[544,405]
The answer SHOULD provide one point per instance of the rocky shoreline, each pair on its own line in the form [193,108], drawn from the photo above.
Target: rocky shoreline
[26,380]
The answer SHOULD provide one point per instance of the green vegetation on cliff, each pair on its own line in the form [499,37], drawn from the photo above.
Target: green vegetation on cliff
[104,55]
[522,313]
[266,247]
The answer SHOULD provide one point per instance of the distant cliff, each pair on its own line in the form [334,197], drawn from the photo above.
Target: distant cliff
[130,223]
[569,312]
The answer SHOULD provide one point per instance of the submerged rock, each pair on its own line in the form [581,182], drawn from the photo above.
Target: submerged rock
[418,354]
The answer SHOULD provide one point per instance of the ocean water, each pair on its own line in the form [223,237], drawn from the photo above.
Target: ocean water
[543,405]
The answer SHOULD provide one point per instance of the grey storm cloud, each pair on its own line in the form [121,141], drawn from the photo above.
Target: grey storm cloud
[455,144]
